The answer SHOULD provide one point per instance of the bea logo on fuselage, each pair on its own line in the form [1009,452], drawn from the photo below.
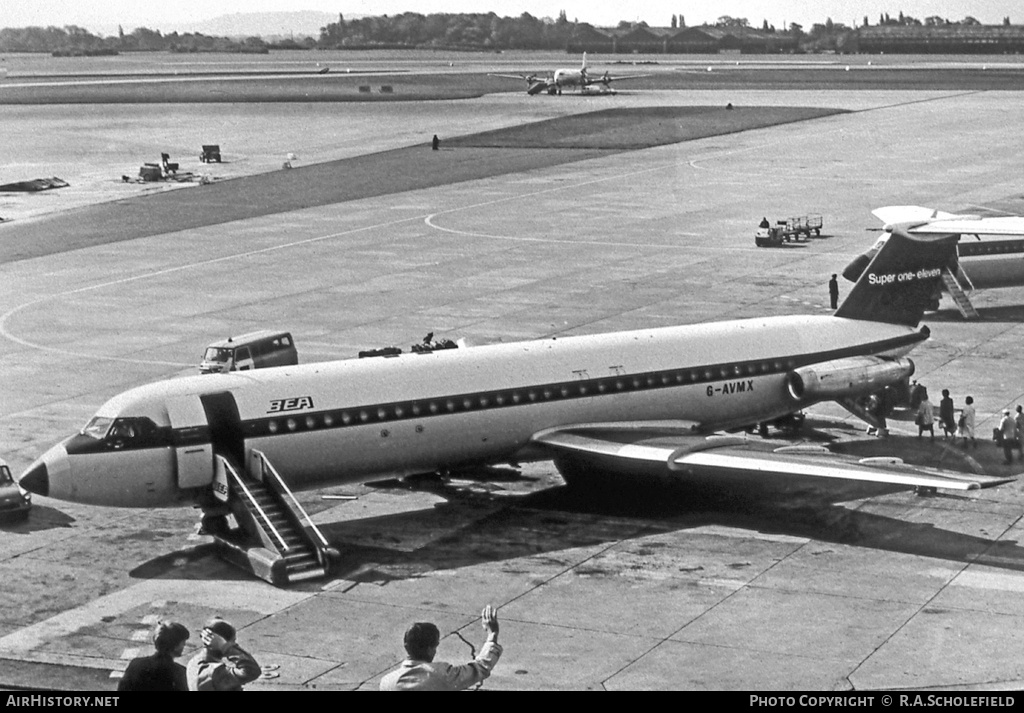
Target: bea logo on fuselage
[894,277]
[296,403]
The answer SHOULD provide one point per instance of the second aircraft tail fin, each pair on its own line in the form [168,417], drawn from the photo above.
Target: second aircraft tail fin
[902,280]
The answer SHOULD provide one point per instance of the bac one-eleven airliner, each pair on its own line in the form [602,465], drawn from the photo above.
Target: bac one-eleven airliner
[626,401]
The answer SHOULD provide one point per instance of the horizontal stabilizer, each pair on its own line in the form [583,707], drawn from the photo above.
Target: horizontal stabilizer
[925,221]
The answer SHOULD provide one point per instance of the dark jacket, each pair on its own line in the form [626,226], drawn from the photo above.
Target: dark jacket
[153,673]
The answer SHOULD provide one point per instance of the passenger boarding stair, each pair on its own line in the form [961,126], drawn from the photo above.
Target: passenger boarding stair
[963,302]
[274,538]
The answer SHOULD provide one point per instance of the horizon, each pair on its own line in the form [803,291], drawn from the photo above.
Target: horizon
[104,18]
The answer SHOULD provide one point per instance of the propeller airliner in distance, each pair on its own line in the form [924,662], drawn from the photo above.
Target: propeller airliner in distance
[579,79]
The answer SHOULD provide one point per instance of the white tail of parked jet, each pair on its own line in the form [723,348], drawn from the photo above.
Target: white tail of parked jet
[990,250]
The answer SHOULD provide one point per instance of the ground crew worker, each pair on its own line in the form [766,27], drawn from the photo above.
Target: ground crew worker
[833,291]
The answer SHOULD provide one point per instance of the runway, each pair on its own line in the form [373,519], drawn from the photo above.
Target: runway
[828,590]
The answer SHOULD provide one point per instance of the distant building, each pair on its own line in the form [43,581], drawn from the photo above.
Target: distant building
[641,40]
[696,40]
[941,39]
[587,38]
[685,40]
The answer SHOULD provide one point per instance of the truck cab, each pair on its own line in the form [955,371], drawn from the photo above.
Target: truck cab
[255,350]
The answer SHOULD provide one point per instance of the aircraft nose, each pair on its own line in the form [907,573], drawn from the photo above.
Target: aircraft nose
[36,479]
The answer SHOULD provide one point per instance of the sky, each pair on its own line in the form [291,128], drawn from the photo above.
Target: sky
[103,16]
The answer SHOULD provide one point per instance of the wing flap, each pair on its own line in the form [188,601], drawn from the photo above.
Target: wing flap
[832,466]
[628,440]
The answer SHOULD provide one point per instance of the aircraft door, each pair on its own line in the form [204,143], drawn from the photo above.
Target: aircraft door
[192,447]
[227,437]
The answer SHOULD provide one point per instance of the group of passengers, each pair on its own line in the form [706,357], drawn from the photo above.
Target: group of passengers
[1009,435]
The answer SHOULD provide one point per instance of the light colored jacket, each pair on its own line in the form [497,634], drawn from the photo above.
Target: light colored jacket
[925,414]
[208,671]
[414,675]
[1008,428]
[967,429]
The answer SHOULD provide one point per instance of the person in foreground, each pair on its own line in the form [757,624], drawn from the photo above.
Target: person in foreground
[420,672]
[222,665]
[159,672]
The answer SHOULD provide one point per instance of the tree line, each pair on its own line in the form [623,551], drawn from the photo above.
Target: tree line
[478,31]
[72,40]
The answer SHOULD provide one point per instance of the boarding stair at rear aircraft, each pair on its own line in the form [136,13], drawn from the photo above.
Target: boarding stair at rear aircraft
[963,302]
[274,538]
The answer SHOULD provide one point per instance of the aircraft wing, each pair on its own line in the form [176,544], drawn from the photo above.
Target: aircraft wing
[683,450]
[619,78]
[522,77]
[919,220]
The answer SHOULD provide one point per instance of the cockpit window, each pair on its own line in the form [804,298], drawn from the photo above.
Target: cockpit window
[217,354]
[136,432]
[97,428]
[122,428]
[5,475]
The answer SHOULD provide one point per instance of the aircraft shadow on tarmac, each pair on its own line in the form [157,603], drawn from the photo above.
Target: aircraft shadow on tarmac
[560,518]
[504,528]
[495,514]
[40,518]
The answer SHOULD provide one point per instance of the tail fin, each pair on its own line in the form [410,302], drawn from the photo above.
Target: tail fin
[902,280]
[584,66]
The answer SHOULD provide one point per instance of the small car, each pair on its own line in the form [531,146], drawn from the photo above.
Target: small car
[15,502]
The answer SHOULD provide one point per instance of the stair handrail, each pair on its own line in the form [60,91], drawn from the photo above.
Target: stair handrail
[952,277]
[956,291]
[967,279]
[295,504]
[248,494]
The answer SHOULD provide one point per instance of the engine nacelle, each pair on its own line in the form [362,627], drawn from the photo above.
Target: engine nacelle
[854,376]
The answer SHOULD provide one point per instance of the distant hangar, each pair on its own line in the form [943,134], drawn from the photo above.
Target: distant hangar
[892,39]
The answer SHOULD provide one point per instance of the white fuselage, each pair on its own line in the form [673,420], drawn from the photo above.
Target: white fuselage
[569,78]
[363,419]
[991,261]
